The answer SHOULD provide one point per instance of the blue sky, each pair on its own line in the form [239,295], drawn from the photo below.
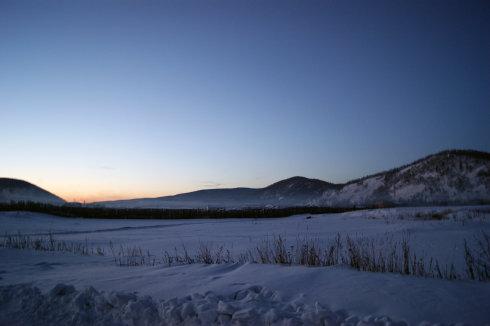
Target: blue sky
[117,99]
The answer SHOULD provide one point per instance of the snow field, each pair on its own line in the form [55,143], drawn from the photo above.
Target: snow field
[250,294]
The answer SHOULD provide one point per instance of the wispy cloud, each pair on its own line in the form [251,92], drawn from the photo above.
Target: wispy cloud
[102,167]
[106,167]
[211,184]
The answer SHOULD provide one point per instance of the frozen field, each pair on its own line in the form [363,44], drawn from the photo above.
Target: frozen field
[243,293]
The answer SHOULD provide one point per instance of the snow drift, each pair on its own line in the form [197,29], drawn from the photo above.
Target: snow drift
[23,304]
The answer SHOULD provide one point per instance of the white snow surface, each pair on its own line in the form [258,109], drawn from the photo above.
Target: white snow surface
[49,288]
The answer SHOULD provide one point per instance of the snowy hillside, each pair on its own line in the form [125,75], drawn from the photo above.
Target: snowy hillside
[13,190]
[449,177]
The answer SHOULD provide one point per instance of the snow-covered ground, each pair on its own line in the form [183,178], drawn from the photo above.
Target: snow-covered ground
[243,293]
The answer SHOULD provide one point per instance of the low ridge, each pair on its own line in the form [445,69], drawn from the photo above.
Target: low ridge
[14,190]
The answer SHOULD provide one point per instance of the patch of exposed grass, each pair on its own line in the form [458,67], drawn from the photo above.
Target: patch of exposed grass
[49,243]
[437,216]
[478,259]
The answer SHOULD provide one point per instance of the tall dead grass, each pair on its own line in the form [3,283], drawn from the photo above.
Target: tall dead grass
[381,255]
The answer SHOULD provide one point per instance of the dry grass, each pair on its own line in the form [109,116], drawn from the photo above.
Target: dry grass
[363,254]
[49,243]
[384,255]
[478,260]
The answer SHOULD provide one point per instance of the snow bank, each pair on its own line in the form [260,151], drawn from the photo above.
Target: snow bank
[24,304]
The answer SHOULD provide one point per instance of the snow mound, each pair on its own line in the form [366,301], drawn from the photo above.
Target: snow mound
[24,304]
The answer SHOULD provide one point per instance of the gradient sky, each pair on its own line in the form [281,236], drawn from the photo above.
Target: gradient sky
[117,99]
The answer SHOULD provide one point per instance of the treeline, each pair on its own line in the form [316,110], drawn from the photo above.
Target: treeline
[166,214]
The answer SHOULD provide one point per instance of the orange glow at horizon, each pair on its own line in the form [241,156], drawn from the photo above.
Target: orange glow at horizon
[85,185]
[89,193]
[97,196]
[89,198]
[79,189]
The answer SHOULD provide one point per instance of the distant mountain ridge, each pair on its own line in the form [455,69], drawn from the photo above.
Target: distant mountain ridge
[295,191]
[447,177]
[14,190]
